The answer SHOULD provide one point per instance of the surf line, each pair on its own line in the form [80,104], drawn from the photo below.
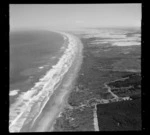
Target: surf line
[39,94]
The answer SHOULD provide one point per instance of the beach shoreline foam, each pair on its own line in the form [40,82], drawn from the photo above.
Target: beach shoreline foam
[20,111]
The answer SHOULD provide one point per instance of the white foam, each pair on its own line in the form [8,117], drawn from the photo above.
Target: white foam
[13,92]
[41,67]
[43,88]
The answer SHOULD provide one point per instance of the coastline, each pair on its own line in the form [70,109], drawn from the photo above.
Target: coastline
[59,99]
[72,83]
[37,64]
[33,96]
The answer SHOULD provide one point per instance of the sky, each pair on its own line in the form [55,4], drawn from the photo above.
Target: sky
[63,16]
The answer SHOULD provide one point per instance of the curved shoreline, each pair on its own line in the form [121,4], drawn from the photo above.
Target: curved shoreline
[32,102]
[71,81]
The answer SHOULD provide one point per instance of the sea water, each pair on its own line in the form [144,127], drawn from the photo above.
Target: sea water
[22,112]
[32,53]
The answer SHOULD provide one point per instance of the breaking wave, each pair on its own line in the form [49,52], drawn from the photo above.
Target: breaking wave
[29,105]
[13,92]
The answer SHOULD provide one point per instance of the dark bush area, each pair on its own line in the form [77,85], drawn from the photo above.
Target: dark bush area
[124,115]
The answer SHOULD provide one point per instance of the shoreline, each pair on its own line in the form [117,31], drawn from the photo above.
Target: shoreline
[79,60]
[29,75]
[58,102]
[30,96]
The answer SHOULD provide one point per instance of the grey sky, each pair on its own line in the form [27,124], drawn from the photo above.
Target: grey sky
[74,15]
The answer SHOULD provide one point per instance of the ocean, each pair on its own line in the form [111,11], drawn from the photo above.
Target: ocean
[40,65]
[32,54]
